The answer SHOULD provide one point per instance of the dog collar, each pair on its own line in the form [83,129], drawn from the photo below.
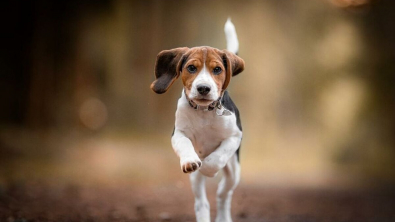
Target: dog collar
[210,107]
[220,110]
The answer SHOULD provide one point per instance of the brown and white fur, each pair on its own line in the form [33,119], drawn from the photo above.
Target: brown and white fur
[205,141]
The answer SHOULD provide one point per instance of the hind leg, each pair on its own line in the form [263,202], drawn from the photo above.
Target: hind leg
[226,186]
[202,206]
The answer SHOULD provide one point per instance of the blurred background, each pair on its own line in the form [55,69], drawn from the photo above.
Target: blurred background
[317,96]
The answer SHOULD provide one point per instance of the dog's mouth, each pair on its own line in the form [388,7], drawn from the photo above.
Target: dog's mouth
[203,101]
[200,100]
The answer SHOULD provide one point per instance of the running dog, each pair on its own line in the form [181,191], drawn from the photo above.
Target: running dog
[208,132]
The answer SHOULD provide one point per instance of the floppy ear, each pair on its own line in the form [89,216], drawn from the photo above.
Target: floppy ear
[234,65]
[166,71]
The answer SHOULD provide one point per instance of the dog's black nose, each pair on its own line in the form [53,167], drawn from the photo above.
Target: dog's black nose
[203,89]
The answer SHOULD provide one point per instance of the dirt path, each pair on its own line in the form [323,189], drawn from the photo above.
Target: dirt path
[39,202]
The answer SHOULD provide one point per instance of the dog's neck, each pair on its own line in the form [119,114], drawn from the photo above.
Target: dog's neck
[220,110]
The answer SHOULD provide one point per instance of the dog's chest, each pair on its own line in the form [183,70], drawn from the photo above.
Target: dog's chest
[206,130]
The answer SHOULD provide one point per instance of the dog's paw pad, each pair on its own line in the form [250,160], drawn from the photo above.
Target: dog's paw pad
[190,166]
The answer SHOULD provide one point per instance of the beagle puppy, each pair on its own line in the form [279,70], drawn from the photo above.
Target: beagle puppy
[208,132]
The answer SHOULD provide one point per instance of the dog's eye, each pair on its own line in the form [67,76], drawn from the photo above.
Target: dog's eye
[217,70]
[191,69]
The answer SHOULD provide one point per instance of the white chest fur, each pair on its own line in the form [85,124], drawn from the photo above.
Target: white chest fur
[205,129]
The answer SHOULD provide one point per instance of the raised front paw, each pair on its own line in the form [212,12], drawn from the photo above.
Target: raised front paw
[190,164]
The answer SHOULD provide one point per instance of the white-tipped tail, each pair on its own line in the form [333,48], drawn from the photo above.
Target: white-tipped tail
[232,43]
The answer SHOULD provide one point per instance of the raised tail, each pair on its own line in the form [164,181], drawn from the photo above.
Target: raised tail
[232,43]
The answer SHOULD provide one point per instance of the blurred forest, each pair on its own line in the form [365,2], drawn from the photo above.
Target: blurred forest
[317,96]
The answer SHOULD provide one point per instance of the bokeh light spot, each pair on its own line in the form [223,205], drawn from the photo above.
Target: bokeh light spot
[93,113]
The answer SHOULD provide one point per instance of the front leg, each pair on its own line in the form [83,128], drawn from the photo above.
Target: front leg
[218,159]
[184,149]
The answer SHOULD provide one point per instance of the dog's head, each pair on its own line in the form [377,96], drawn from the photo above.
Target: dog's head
[205,72]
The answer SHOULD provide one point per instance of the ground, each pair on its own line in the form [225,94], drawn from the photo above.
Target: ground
[35,201]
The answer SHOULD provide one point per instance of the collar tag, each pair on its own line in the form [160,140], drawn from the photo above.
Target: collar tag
[221,110]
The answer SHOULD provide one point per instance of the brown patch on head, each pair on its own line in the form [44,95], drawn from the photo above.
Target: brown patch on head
[214,60]
[193,58]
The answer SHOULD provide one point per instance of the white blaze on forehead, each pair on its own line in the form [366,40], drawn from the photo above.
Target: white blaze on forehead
[204,55]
